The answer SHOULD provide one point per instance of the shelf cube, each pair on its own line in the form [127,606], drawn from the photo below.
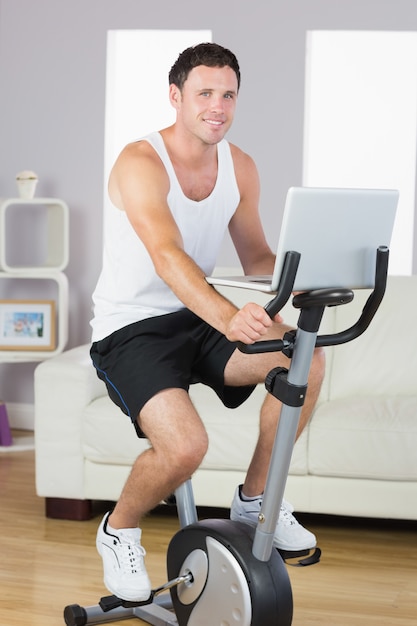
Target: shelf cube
[40,235]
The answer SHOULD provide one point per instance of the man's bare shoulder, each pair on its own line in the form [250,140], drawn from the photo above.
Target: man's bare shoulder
[137,151]
[241,159]
[136,166]
[245,167]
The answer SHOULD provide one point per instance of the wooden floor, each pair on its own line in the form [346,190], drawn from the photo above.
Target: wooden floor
[367,575]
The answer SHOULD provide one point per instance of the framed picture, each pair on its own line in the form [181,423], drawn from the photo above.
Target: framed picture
[27,324]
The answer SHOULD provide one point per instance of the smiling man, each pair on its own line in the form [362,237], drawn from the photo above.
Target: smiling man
[158,325]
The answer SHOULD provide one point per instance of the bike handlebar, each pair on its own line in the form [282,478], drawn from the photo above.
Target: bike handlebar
[284,292]
[370,308]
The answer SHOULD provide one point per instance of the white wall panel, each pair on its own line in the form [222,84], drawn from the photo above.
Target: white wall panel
[361,120]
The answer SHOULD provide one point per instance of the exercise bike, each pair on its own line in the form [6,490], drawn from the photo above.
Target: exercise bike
[223,572]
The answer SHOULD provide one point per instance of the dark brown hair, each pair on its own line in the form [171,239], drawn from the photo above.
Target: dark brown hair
[209,54]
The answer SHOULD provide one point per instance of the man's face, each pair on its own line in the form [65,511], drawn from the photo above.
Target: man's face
[206,105]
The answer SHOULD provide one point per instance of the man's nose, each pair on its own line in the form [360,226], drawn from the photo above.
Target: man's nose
[217,104]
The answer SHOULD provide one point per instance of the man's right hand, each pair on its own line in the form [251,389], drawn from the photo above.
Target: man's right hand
[250,324]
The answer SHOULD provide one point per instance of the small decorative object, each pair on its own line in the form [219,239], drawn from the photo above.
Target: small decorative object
[26,184]
[5,434]
[27,325]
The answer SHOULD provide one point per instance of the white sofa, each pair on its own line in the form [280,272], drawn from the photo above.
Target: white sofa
[357,457]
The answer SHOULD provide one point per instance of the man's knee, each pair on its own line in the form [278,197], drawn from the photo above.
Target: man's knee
[186,454]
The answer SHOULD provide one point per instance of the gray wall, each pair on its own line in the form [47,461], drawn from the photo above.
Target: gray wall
[52,77]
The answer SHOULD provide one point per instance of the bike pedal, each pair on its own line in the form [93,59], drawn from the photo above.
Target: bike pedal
[108,603]
[289,555]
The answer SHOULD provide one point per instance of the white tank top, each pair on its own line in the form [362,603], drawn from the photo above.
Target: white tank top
[128,289]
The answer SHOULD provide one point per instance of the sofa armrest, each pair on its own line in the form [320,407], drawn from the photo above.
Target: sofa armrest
[64,386]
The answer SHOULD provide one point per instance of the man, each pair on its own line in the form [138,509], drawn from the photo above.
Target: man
[159,326]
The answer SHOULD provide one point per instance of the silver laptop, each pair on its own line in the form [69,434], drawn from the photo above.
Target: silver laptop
[337,233]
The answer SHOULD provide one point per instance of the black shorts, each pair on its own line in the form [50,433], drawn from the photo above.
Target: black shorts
[168,351]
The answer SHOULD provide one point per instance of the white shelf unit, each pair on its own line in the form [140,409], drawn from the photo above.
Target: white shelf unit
[51,215]
[57,233]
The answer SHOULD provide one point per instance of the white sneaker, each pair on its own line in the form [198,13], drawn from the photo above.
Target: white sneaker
[289,534]
[125,575]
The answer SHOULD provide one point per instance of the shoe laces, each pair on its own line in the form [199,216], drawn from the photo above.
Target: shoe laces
[131,554]
[286,517]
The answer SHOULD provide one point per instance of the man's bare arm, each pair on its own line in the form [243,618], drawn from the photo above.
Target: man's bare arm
[245,227]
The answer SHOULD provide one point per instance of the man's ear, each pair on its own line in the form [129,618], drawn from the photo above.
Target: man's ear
[174,95]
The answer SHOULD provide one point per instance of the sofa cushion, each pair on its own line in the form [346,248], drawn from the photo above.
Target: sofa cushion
[388,342]
[109,437]
[365,437]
